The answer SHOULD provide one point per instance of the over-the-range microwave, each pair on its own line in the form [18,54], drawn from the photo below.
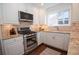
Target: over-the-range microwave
[23,16]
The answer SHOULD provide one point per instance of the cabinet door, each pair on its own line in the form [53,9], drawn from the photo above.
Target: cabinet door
[11,50]
[43,37]
[10,13]
[14,46]
[20,46]
[10,47]
[39,16]
[50,39]
[1,14]
[42,15]
[62,41]
[59,40]
[66,41]
[40,38]
[36,16]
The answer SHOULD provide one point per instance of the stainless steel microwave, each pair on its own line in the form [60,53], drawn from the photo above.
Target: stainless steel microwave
[23,16]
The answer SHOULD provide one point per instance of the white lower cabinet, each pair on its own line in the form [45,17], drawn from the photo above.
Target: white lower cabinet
[13,46]
[39,38]
[58,40]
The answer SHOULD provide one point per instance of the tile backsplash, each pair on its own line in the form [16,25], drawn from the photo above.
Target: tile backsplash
[9,31]
[6,31]
[7,27]
[25,24]
[74,27]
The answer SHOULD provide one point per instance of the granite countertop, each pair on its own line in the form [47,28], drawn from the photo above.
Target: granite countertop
[65,32]
[12,36]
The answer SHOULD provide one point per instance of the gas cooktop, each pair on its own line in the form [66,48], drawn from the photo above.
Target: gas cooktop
[25,30]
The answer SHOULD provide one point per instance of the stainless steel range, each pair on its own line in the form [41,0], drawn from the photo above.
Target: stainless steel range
[29,39]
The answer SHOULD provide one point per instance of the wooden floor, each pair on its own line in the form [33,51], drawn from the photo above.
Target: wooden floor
[42,47]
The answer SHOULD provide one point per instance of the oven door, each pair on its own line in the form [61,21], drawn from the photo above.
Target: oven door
[30,42]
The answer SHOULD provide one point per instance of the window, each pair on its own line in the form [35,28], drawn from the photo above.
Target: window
[61,18]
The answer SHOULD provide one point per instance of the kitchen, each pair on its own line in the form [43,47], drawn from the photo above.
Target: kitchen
[26,26]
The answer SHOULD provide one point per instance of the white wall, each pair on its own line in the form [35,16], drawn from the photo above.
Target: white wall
[75,12]
[58,7]
[0,20]
[29,8]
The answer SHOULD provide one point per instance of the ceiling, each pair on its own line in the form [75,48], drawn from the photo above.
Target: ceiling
[45,5]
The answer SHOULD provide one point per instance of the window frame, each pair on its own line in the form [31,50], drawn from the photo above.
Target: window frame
[69,20]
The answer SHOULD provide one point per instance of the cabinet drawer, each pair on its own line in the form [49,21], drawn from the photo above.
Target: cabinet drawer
[9,41]
[13,40]
[19,39]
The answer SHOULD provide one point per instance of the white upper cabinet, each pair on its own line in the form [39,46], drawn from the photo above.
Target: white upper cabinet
[36,16]
[39,16]
[1,14]
[10,13]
